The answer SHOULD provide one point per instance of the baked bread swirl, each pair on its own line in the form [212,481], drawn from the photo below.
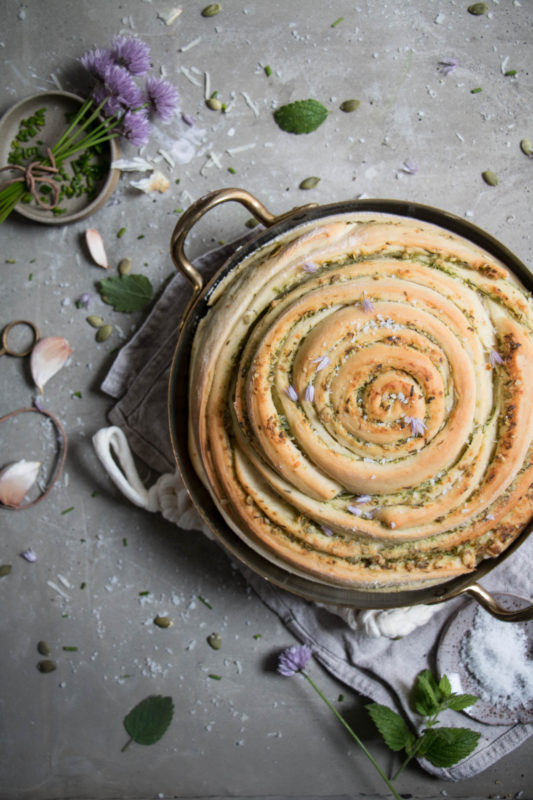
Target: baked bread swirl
[361,402]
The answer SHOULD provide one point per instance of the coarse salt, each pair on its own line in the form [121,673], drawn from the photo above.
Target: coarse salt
[496,656]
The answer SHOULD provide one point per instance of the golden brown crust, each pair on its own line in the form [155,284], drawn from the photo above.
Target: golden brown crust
[361,403]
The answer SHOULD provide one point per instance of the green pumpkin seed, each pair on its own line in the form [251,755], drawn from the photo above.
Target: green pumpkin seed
[103,333]
[214,641]
[252,222]
[477,9]
[350,105]
[211,10]
[162,622]
[94,321]
[490,177]
[124,266]
[5,569]
[46,665]
[310,183]
[213,104]
[43,648]
[526,146]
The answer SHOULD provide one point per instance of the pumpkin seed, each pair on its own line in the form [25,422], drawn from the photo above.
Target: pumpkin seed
[46,665]
[162,622]
[526,146]
[211,10]
[213,104]
[43,648]
[124,266]
[252,222]
[103,333]
[214,641]
[490,177]
[310,183]
[477,9]
[95,321]
[5,569]
[350,105]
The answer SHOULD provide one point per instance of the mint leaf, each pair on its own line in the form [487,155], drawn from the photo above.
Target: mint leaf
[148,721]
[392,727]
[444,747]
[427,695]
[302,116]
[126,292]
[457,702]
[445,686]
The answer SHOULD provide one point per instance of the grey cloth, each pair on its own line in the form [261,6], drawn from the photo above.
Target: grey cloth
[381,669]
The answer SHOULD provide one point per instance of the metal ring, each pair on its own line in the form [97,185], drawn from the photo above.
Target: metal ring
[19,354]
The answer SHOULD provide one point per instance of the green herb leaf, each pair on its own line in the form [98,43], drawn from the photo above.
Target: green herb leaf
[126,292]
[458,702]
[445,686]
[444,747]
[427,695]
[148,721]
[302,116]
[392,727]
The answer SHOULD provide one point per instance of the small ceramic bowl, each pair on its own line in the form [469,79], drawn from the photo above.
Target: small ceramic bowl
[57,104]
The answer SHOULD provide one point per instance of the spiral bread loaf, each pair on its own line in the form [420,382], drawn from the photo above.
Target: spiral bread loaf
[361,404]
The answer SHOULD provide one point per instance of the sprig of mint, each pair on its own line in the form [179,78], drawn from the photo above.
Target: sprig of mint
[443,747]
[148,720]
[126,292]
[302,116]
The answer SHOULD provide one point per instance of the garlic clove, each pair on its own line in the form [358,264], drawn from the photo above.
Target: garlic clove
[47,358]
[95,245]
[16,480]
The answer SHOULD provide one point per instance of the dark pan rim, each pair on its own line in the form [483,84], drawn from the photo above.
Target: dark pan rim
[307,588]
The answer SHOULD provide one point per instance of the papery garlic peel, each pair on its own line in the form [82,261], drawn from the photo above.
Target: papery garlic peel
[95,245]
[47,358]
[16,480]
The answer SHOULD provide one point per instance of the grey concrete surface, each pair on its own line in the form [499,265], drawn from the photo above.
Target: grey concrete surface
[251,734]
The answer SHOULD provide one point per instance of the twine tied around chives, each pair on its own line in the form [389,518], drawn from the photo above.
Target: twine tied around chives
[34,174]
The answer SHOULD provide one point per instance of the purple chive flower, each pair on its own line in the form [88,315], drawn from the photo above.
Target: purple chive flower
[291,392]
[447,65]
[310,393]
[132,54]
[417,425]
[136,127]
[355,510]
[162,98]
[188,120]
[409,167]
[363,498]
[29,555]
[119,90]
[310,266]
[294,659]
[495,358]
[84,300]
[326,531]
[368,305]
[322,362]
[96,62]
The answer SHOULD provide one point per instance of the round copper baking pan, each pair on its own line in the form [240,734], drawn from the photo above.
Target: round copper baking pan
[276,226]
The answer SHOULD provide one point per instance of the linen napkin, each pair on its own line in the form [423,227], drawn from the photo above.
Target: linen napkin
[379,668]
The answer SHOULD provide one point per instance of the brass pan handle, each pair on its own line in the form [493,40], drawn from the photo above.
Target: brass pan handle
[196,211]
[487,601]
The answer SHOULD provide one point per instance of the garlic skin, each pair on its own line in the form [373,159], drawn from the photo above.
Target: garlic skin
[47,358]
[16,480]
[95,246]
[156,182]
